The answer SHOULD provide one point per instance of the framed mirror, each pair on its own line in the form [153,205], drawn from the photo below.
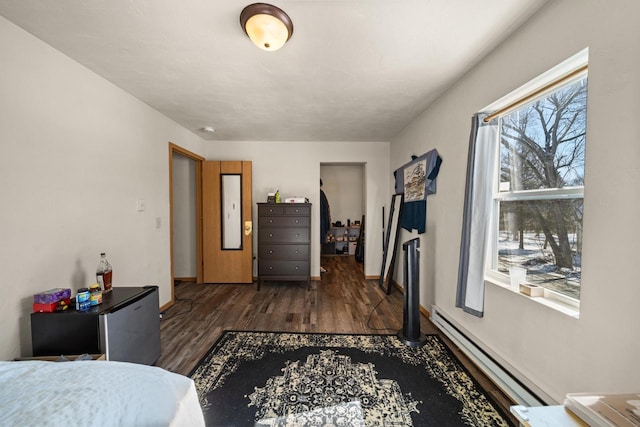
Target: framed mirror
[390,243]
[231,212]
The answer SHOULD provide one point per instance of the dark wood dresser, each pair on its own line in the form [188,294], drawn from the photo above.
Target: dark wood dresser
[284,239]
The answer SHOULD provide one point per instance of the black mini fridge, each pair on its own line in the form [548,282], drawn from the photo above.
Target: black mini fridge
[125,327]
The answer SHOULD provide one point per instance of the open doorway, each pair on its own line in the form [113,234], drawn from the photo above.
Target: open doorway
[185,200]
[344,188]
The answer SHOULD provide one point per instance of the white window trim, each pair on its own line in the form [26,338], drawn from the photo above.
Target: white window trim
[551,299]
[541,194]
[571,64]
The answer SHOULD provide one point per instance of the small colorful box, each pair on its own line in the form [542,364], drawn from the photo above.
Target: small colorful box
[61,305]
[531,290]
[52,296]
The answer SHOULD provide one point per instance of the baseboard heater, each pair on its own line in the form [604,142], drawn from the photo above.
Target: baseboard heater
[500,376]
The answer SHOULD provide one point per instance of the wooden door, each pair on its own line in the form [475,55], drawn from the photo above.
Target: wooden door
[227,229]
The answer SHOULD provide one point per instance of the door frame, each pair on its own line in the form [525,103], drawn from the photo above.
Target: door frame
[175,149]
[362,165]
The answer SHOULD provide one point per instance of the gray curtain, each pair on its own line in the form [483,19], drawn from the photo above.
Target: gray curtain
[476,225]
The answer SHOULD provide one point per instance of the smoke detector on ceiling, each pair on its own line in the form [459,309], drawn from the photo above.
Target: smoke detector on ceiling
[208,129]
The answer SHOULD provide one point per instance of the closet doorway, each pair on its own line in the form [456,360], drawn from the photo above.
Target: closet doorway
[344,186]
[185,193]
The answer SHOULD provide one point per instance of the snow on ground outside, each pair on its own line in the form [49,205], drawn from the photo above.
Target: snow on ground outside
[540,263]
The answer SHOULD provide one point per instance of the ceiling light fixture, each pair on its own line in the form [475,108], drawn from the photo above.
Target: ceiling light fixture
[267,26]
[208,129]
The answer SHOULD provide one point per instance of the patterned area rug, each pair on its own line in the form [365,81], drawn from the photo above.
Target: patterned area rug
[295,379]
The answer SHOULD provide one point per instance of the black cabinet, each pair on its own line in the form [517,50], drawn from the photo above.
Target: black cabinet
[125,327]
[284,238]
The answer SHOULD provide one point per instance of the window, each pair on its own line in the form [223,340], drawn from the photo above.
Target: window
[538,194]
[524,191]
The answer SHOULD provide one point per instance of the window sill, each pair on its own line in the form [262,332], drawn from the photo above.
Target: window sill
[547,300]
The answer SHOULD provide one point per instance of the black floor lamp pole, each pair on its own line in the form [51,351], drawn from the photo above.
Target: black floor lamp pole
[410,333]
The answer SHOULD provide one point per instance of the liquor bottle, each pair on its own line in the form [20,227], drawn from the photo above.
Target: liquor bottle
[104,273]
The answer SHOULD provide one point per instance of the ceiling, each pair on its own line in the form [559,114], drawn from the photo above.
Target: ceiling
[354,70]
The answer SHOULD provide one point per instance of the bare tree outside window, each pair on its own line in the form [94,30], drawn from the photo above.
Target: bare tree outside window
[541,188]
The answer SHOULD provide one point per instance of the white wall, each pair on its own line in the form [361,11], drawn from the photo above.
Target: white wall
[77,153]
[184,217]
[294,169]
[344,187]
[600,350]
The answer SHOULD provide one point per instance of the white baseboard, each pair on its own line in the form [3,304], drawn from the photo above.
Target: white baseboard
[527,395]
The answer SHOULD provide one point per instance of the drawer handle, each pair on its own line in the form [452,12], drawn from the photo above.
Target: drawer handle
[270,267]
[270,221]
[296,267]
[297,234]
[270,234]
[270,251]
[297,210]
[297,251]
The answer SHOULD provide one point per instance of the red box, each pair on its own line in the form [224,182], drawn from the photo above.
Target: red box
[61,305]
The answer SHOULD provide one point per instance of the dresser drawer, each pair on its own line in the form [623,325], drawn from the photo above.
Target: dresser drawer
[304,210]
[284,221]
[268,267]
[296,252]
[270,209]
[283,235]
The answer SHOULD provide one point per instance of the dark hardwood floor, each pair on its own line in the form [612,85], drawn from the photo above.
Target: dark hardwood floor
[342,301]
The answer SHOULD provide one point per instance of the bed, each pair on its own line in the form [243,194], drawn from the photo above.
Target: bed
[95,393]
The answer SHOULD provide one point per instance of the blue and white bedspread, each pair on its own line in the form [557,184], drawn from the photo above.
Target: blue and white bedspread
[95,393]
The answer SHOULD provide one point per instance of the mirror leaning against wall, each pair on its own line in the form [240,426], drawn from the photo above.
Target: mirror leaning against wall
[390,243]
